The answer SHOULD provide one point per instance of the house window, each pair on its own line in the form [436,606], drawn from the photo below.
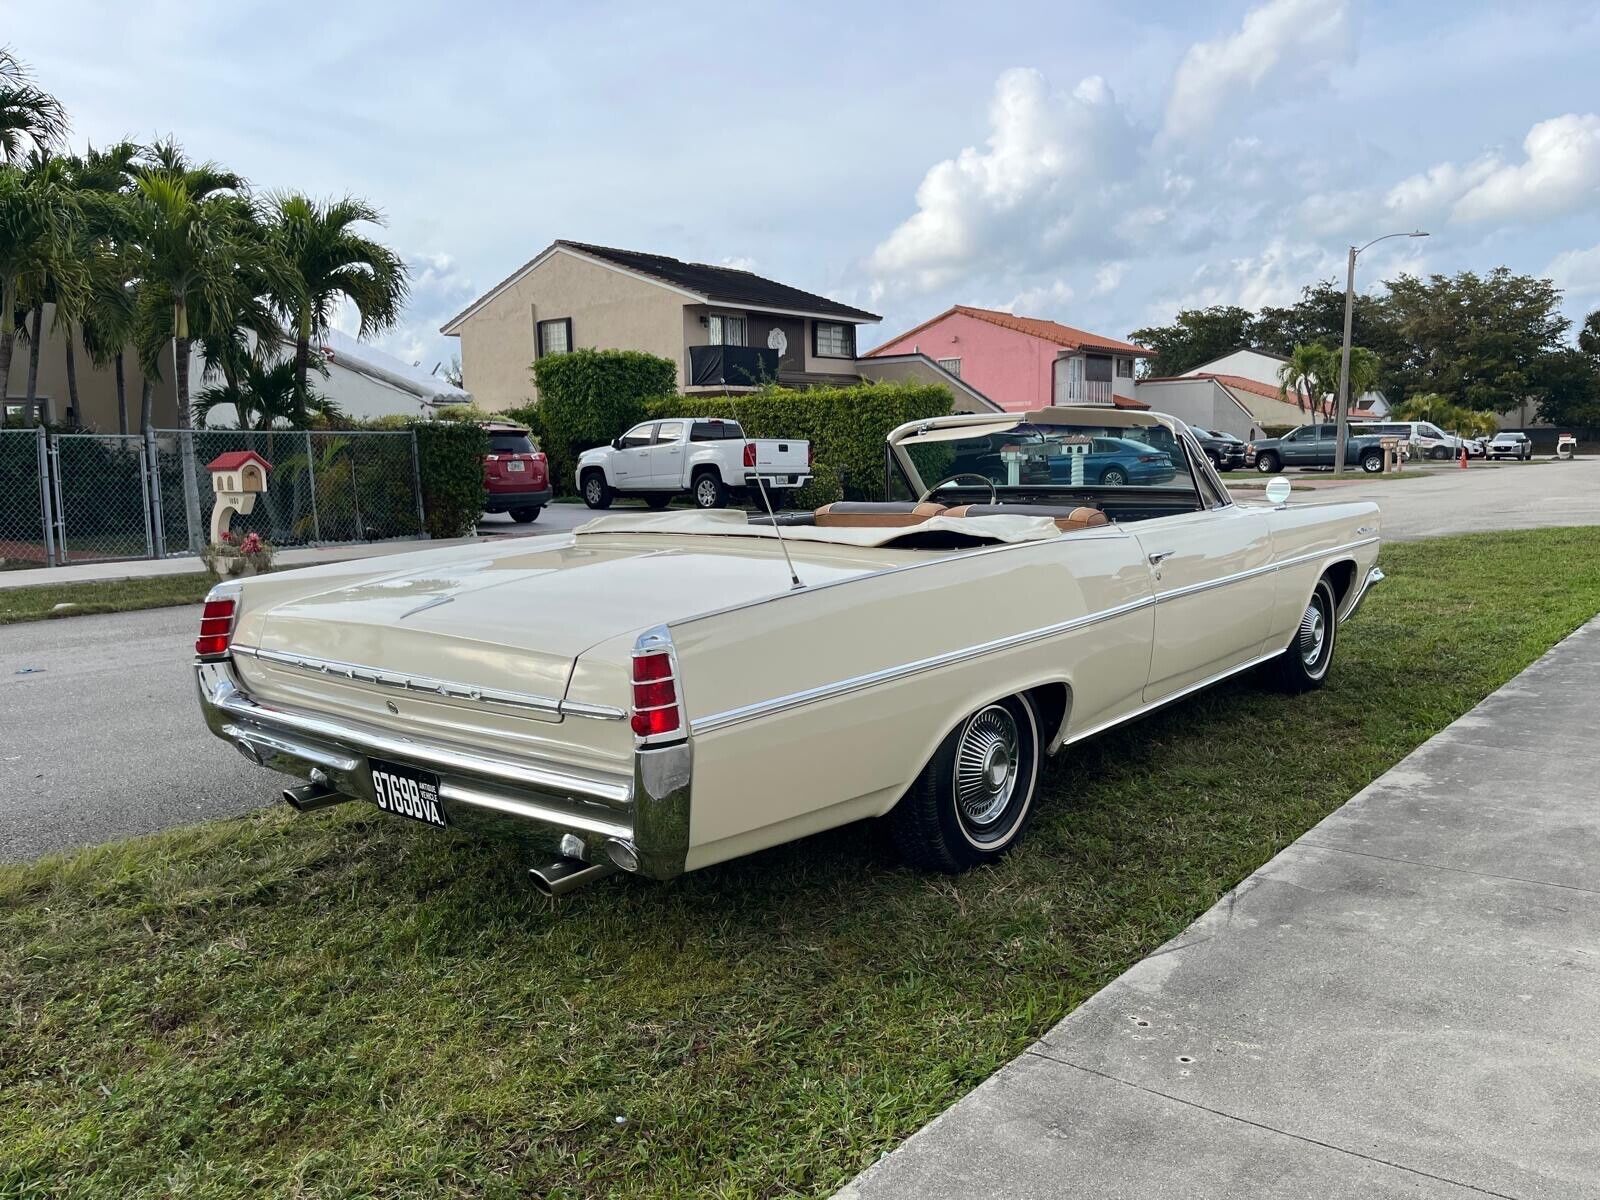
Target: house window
[726,331]
[833,339]
[1124,368]
[555,337]
[953,365]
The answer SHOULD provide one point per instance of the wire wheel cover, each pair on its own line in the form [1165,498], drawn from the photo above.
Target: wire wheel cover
[988,765]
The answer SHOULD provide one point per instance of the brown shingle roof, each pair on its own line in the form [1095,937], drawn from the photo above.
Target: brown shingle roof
[1053,332]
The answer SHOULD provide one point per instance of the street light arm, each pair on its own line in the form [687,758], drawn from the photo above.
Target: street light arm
[1386,237]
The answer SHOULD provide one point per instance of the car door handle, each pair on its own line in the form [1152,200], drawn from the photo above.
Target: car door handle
[1158,556]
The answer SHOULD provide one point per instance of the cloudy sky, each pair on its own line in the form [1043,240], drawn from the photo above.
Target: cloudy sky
[1103,165]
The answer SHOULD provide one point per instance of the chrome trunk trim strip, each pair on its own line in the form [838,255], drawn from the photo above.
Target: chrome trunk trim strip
[450,690]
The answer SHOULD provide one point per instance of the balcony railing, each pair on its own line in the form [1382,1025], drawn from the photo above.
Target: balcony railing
[1083,391]
[731,366]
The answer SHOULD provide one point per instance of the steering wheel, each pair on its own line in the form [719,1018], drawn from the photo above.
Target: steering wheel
[994,496]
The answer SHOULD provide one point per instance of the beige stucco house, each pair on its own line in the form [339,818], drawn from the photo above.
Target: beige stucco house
[97,386]
[725,328]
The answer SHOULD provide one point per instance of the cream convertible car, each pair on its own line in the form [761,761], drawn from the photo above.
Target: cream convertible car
[656,693]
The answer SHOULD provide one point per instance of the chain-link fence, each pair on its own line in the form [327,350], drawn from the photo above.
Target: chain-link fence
[25,534]
[77,497]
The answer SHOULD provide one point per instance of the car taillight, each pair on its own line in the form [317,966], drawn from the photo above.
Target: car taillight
[749,454]
[216,627]
[1149,458]
[655,695]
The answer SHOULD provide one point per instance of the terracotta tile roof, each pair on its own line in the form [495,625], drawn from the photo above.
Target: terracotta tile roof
[1053,332]
[1127,402]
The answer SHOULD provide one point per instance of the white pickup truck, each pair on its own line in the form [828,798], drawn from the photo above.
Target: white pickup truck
[709,459]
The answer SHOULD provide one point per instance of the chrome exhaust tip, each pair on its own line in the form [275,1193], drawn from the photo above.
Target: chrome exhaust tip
[311,796]
[568,875]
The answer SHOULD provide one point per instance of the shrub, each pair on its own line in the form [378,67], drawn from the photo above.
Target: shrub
[463,412]
[588,397]
[450,461]
[846,427]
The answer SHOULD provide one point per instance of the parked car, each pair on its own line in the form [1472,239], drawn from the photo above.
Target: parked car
[1477,447]
[707,458]
[1314,446]
[658,693]
[1226,452]
[516,474]
[1110,461]
[1511,445]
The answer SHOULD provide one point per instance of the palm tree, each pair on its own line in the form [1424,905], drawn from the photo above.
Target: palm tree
[30,118]
[332,262]
[1305,376]
[264,396]
[37,221]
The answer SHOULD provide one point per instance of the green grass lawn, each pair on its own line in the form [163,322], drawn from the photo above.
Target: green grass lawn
[345,1005]
[120,595]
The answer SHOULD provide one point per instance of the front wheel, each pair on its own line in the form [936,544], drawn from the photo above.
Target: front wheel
[710,491]
[596,492]
[1114,477]
[1304,665]
[974,798]
[1268,463]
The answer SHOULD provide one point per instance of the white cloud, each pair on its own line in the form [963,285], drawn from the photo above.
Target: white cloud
[1048,166]
[439,290]
[1039,301]
[1283,40]
[739,262]
[1576,272]
[1108,278]
[1275,276]
[1560,173]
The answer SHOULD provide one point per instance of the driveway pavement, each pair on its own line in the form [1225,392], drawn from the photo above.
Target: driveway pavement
[1402,1003]
[1483,497]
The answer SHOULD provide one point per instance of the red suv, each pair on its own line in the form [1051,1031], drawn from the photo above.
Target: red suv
[516,474]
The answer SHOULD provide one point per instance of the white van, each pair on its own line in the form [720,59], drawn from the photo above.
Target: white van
[1427,439]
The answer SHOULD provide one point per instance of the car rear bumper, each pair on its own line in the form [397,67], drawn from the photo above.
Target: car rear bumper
[778,479]
[506,501]
[642,817]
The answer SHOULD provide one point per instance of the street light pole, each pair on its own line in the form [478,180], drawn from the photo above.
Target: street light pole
[1341,430]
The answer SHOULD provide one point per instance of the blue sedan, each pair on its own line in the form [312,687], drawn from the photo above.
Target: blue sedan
[1113,462]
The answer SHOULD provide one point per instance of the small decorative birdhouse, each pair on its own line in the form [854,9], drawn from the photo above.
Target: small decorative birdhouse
[237,478]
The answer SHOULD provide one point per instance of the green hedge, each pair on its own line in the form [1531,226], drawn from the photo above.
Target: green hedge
[450,460]
[846,427]
[588,397]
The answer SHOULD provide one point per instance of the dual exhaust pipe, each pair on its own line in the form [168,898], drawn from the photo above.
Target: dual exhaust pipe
[557,878]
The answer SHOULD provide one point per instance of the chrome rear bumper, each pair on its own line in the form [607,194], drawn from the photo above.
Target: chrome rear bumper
[646,814]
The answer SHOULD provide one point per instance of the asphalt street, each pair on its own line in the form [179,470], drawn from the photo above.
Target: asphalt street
[100,736]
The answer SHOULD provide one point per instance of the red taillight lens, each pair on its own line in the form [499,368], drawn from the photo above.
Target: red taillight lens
[749,454]
[216,627]
[1149,458]
[655,695]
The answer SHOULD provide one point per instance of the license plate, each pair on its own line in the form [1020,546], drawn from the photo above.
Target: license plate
[408,793]
[514,465]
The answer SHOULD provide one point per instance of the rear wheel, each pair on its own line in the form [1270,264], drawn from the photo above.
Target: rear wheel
[1114,477]
[974,798]
[1304,665]
[710,491]
[1372,462]
[596,492]
[1268,463]
[523,516]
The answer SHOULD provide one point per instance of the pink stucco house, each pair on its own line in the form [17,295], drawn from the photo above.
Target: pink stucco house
[1025,362]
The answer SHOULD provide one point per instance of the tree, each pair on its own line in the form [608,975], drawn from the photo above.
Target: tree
[1431,406]
[264,396]
[331,262]
[1589,335]
[1569,387]
[30,118]
[1196,336]
[1304,377]
[1480,340]
[37,219]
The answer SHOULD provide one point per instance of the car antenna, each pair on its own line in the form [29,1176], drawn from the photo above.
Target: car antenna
[794,578]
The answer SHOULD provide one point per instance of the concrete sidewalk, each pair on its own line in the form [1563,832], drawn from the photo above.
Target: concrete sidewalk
[1405,1002]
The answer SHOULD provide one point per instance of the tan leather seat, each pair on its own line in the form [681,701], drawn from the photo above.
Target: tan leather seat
[1066,519]
[862,514]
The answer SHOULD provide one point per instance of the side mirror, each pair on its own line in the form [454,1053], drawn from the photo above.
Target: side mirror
[1278,489]
[616,443]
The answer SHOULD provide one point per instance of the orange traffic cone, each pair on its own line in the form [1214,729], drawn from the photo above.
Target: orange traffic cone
[1463,458]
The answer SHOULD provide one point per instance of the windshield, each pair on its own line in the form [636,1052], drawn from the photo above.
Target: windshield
[1047,458]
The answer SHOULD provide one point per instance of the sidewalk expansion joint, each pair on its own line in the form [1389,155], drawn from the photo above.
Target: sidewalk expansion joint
[1430,866]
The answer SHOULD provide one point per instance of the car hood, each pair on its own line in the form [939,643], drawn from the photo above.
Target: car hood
[517,616]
